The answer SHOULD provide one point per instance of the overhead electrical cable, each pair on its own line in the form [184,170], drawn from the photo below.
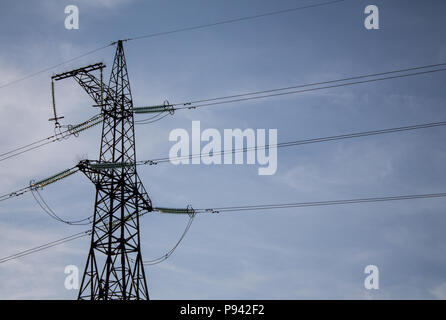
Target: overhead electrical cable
[150,118]
[46,246]
[31,75]
[298,142]
[51,213]
[170,108]
[70,130]
[73,170]
[320,203]
[27,149]
[153,119]
[335,83]
[4,85]
[247,96]
[430,66]
[217,210]
[24,147]
[172,250]
[40,184]
[14,194]
[191,213]
[202,26]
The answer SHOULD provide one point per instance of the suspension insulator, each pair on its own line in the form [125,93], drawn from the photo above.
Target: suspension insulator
[54,178]
[110,165]
[188,210]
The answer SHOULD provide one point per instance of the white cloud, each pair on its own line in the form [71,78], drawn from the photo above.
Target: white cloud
[439,292]
[106,3]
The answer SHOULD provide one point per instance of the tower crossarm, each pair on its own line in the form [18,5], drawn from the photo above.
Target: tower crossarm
[94,87]
[104,174]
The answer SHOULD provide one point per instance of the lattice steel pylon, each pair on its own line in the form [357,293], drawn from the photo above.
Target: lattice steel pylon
[114,267]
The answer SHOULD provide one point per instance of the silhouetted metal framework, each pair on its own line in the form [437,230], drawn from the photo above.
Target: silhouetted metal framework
[114,268]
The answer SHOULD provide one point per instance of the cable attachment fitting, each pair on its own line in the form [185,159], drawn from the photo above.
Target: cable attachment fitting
[71,130]
[150,162]
[32,185]
[190,211]
[168,107]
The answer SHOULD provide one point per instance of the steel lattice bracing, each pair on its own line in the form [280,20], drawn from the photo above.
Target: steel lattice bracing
[114,268]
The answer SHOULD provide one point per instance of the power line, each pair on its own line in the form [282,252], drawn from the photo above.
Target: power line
[25,146]
[216,210]
[317,83]
[191,213]
[187,105]
[31,75]
[167,33]
[320,203]
[278,145]
[155,118]
[14,194]
[71,130]
[40,184]
[157,34]
[192,105]
[50,212]
[28,149]
[45,246]
[299,142]
[150,118]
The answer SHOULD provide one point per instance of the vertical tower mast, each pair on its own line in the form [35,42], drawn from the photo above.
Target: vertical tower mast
[114,268]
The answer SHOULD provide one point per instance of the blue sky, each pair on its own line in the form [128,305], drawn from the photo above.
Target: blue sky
[306,253]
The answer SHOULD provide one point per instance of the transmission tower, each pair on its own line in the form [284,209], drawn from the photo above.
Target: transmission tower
[114,268]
